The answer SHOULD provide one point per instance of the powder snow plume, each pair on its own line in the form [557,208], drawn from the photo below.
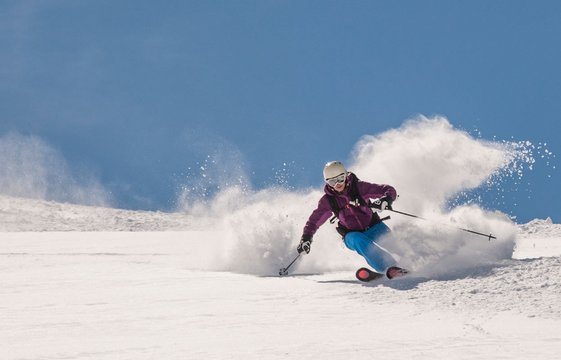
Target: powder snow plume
[31,168]
[427,160]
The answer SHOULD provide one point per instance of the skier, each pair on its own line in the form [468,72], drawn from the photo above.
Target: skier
[361,228]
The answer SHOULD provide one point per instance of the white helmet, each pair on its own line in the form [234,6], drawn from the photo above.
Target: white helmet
[333,169]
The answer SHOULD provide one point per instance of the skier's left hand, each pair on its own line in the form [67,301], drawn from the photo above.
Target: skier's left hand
[383,203]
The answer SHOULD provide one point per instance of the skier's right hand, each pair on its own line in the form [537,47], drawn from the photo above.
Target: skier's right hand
[305,245]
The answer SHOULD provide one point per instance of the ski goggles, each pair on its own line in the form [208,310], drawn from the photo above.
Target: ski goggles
[336,180]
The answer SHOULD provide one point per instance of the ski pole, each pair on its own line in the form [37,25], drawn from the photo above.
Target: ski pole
[284,271]
[489,236]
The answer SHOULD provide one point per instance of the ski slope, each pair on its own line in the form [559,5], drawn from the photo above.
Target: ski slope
[87,282]
[102,291]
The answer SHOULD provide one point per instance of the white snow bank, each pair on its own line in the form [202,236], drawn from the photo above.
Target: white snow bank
[21,214]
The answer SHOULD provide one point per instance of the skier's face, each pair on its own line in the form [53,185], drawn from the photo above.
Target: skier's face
[339,187]
[337,182]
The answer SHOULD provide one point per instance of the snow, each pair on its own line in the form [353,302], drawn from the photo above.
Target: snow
[20,214]
[93,282]
[97,294]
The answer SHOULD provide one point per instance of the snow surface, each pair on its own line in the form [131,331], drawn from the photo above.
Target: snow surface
[90,293]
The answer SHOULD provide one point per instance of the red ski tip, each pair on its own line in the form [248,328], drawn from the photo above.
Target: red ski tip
[363,274]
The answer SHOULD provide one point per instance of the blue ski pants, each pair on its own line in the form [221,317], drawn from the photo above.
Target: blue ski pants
[365,243]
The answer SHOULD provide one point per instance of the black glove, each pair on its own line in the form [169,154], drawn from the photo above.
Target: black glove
[383,203]
[305,245]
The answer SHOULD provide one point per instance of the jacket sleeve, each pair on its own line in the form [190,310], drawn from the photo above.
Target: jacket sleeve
[318,217]
[374,191]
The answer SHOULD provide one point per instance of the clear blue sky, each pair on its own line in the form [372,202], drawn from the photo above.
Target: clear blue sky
[140,91]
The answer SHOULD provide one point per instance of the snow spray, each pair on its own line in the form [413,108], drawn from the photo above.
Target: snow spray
[428,161]
[31,168]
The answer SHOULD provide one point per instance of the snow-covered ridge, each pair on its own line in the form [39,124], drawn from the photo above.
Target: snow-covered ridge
[545,228]
[19,214]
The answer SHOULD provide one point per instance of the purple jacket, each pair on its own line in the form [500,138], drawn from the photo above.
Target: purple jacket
[352,217]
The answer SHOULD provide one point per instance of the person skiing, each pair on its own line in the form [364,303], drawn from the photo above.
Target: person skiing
[346,198]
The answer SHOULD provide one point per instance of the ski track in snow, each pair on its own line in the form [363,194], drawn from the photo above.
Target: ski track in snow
[146,294]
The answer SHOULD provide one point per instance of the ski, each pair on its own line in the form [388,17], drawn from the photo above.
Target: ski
[395,272]
[366,275]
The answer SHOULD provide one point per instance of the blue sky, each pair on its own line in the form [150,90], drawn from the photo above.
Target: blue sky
[141,92]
